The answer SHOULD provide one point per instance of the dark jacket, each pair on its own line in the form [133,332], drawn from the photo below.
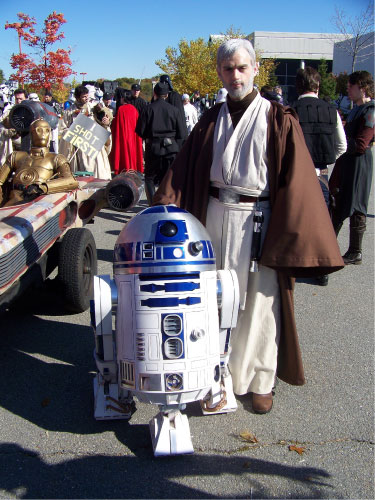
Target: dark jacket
[139,103]
[161,125]
[318,120]
[351,179]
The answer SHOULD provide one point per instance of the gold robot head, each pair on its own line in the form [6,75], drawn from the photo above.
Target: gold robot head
[40,132]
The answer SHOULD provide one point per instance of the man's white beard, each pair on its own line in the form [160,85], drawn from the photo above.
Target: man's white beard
[239,94]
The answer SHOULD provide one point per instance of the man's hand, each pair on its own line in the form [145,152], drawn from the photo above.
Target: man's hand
[10,133]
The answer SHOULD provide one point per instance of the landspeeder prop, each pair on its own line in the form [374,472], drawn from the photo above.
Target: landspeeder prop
[174,313]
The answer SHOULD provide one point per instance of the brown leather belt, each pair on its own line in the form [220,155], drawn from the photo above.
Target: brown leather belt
[242,198]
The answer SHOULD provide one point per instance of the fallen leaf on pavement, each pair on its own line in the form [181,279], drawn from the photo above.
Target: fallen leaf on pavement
[298,449]
[248,436]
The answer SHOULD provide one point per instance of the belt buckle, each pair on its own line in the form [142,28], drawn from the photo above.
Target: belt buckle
[228,196]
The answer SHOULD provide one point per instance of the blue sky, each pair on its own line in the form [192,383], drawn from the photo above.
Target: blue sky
[117,39]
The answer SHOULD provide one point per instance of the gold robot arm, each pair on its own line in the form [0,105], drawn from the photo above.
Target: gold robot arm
[62,179]
[6,168]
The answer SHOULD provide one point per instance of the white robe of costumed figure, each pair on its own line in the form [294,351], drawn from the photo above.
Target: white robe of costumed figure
[191,116]
[6,134]
[6,144]
[82,162]
[240,167]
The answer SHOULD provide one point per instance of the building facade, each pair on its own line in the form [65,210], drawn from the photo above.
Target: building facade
[292,51]
[343,55]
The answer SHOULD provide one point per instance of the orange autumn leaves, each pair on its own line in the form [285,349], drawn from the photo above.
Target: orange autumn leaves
[53,67]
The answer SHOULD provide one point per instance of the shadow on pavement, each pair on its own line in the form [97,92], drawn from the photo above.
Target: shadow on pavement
[49,383]
[105,476]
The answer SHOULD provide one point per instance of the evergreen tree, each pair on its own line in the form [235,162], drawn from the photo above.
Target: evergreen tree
[327,88]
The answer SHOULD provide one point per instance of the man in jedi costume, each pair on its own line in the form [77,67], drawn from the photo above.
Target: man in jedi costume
[244,156]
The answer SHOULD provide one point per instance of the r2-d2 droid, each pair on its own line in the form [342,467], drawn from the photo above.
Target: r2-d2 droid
[174,313]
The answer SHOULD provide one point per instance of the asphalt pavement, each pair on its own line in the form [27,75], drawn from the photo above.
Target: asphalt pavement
[318,441]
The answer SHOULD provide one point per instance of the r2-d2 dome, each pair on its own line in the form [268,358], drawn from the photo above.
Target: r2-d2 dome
[163,239]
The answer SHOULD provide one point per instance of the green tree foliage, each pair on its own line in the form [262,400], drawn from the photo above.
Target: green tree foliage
[146,85]
[327,88]
[1,76]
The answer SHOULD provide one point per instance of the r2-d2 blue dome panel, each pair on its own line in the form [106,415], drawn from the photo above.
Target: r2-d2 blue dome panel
[163,239]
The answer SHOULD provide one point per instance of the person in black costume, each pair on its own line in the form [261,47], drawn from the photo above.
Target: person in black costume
[350,182]
[322,128]
[175,99]
[162,127]
[137,101]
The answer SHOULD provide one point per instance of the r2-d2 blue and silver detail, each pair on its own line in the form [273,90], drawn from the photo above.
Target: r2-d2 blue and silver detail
[174,312]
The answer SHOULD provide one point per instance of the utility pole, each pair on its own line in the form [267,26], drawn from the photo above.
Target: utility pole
[83,74]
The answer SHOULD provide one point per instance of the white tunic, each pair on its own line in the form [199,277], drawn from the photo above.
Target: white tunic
[240,165]
[191,116]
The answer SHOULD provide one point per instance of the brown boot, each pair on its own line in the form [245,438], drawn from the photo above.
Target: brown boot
[262,403]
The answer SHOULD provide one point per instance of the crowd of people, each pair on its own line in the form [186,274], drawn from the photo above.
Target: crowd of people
[244,153]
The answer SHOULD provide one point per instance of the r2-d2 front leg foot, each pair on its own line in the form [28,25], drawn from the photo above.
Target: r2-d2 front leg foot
[170,433]
[221,398]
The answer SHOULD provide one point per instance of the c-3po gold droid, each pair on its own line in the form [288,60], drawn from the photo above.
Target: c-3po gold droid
[35,173]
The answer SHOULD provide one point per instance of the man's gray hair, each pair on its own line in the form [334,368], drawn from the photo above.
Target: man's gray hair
[228,48]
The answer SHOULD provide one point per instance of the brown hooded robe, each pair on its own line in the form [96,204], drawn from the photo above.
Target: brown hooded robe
[300,240]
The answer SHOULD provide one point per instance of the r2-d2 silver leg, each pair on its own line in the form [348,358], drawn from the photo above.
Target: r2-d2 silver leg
[221,398]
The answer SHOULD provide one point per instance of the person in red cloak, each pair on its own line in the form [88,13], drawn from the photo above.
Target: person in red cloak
[127,152]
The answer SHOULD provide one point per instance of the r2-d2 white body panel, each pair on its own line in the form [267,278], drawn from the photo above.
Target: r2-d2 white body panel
[166,336]
[166,347]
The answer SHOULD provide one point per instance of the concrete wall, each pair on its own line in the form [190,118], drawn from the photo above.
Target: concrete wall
[342,60]
[280,45]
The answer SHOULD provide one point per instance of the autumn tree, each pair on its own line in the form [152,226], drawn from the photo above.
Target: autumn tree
[266,74]
[25,31]
[358,33]
[52,67]
[192,65]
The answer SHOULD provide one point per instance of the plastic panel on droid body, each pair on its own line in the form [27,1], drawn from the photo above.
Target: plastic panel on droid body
[166,348]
